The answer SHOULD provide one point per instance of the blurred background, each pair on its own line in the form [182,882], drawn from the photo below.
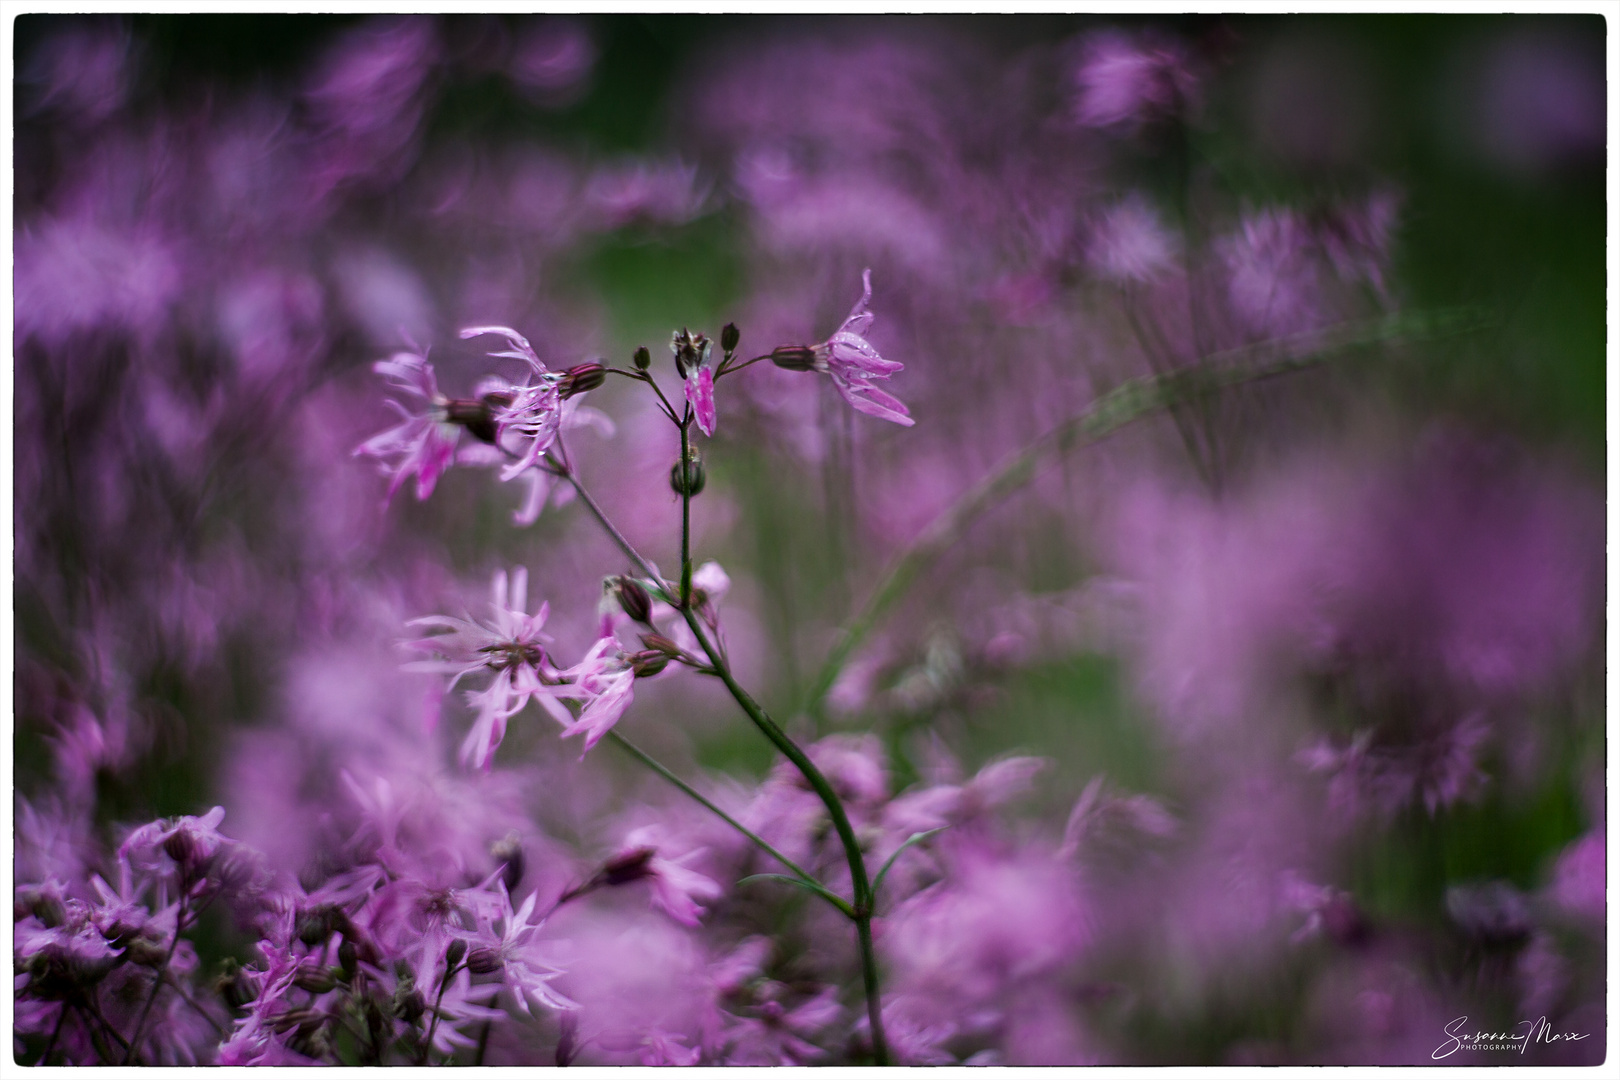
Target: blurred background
[1333,638]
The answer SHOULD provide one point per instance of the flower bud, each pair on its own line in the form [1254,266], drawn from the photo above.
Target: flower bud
[347,959]
[484,961]
[794,357]
[642,359]
[661,644]
[729,337]
[581,378]
[634,600]
[648,664]
[688,479]
[315,925]
[315,978]
[453,955]
[292,1018]
[411,1005]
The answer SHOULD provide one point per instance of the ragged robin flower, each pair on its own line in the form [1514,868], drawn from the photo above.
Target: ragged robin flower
[852,362]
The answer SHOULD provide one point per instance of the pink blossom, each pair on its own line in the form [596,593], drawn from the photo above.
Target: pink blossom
[424,444]
[1126,79]
[605,682]
[777,1036]
[511,644]
[535,411]
[692,352]
[513,953]
[853,363]
[700,393]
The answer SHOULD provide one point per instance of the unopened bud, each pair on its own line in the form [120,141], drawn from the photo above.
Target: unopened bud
[642,359]
[662,644]
[453,955]
[688,478]
[581,378]
[314,978]
[315,925]
[647,664]
[794,357]
[729,337]
[347,959]
[411,1006]
[483,961]
[634,600]
[292,1018]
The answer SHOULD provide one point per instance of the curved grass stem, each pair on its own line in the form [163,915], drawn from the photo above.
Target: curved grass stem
[1125,404]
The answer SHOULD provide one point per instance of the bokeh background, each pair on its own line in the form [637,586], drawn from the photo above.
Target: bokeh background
[1333,640]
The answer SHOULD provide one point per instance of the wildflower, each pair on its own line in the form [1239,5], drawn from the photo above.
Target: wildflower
[1126,80]
[1130,244]
[535,410]
[605,683]
[852,362]
[512,953]
[511,645]
[777,1036]
[58,960]
[189,842]
[692,360]
[424,445]
[676,888]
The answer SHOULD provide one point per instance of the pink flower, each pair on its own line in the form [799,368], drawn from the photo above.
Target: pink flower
[605,682]
[692,360]
[700,392]
[676,889]
[423,445]
[535,412]
[514,953]
[511,644]
[187,842]
[852,362]
[1127,80]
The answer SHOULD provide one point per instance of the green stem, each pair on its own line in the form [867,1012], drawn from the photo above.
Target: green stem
[433,1026]
[764,845]
[1125,404]
[861,909]
[686,516]
[874,1002]
[728,368]
[862,914]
